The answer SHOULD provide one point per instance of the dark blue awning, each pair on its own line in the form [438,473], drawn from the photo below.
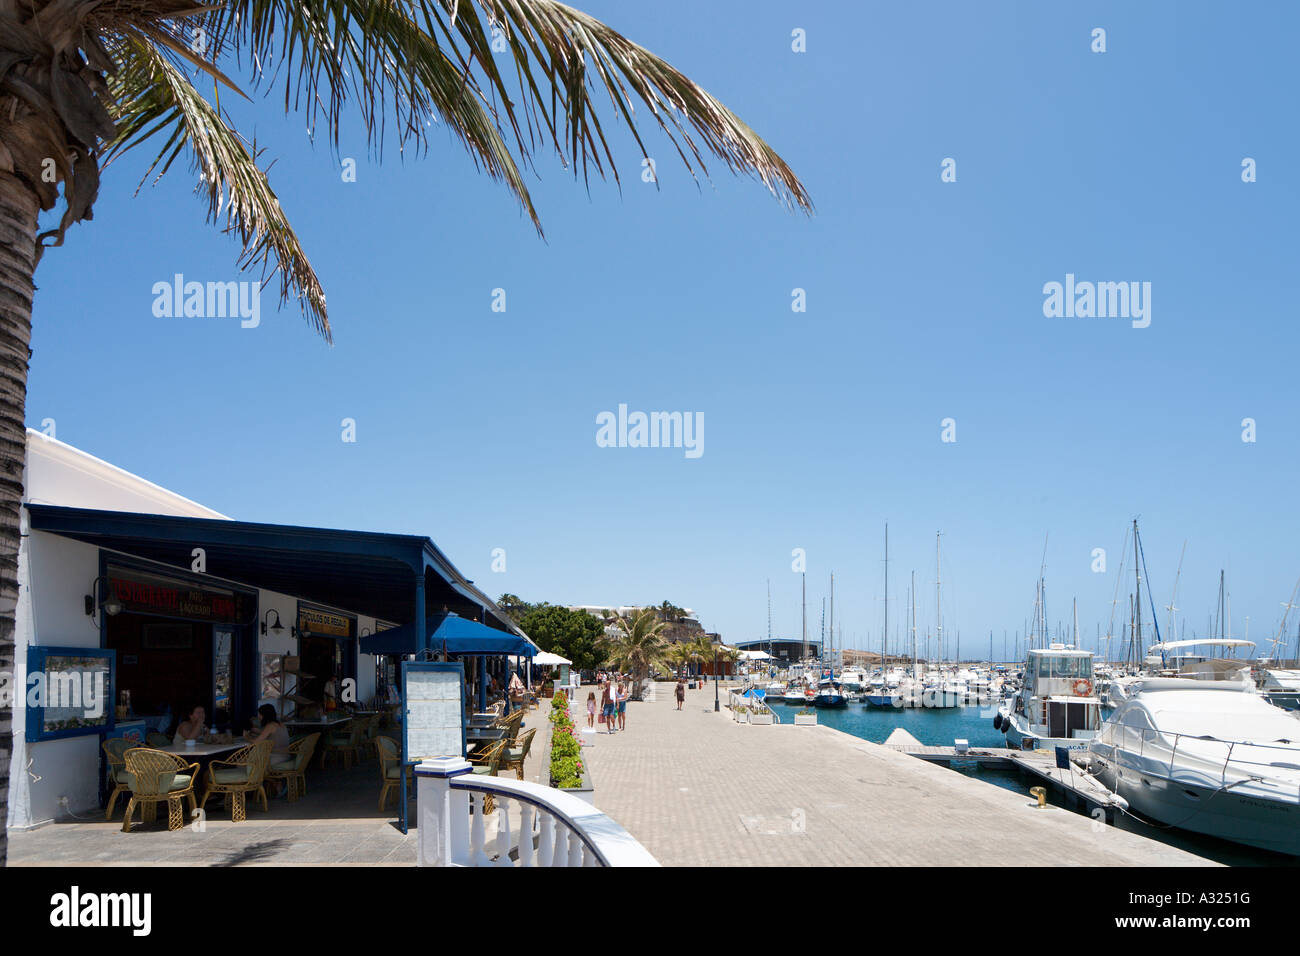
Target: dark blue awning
[456,635]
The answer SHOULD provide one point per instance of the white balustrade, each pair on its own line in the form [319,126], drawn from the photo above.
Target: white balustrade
[530,825]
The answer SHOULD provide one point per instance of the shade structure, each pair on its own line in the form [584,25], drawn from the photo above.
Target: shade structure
[450,633]
[546,658]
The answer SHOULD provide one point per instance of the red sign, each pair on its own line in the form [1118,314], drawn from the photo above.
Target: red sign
[153,594]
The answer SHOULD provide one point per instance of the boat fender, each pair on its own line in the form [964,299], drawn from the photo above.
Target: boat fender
[997,721]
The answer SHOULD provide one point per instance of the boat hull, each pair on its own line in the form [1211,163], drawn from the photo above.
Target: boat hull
[1252,820]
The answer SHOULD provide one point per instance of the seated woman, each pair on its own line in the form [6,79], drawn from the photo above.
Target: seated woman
[276,732]
[191,728]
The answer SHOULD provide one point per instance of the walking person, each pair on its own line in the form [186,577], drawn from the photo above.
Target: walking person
[608,705]
[591,708]
[681,692]
[622,705]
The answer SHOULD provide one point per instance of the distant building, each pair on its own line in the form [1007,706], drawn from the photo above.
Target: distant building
[783,649]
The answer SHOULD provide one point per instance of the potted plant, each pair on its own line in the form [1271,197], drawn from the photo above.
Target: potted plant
[806,717]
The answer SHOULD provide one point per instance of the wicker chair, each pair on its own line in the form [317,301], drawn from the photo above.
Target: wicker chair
[243,773]
[390,767]
[292,767]
[115,752]
[158,740]
[369,731]
[510,723]
[346,742]
[153,777]
[515,756]
[487,764]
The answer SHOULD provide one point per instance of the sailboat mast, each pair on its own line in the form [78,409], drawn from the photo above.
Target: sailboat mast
[1076,622]
[804,613]
[1137,604]
[884,637]
[831,632]
[938,601]
[769,617]
[911,593]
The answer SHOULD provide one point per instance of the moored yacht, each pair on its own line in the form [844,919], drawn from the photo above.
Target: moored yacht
[1056,705]
[1210,756]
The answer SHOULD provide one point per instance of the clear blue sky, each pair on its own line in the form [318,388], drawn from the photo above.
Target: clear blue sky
[924,303]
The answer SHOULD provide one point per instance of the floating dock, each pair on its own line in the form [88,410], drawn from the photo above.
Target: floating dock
[1078,788]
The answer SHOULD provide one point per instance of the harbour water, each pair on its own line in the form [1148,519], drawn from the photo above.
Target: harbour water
[974,724]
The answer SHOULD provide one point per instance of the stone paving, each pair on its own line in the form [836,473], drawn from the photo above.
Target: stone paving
[698,789]
[337,823]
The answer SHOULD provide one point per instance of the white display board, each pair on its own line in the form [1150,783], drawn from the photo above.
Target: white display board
[435,704]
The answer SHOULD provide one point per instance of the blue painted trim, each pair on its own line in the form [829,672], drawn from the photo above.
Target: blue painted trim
[420,772]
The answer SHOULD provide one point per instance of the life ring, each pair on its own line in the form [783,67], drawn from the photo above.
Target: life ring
[1087,687]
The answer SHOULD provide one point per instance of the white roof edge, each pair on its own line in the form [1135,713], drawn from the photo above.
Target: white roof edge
[87,462]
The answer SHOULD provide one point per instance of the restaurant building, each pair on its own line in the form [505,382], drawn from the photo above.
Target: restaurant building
[137,604]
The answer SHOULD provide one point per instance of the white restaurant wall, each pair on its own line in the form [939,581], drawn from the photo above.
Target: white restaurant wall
[54,575]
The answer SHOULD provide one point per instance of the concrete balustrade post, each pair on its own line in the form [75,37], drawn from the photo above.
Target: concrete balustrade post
[442,839]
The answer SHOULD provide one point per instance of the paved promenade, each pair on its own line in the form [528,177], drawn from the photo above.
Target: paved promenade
[698,789]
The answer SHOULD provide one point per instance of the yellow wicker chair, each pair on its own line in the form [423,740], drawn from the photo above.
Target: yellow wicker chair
[241,774]
[515,756]
[153,777]
[488,763]
[369,730]
[345,741]
[157,740]
[292,768]
[510,723]
[390,767]
[115,752]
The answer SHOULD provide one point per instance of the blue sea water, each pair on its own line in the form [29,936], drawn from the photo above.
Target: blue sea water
[935,728]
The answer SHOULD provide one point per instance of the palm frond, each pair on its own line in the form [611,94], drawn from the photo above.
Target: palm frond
[415,59]
[153,97]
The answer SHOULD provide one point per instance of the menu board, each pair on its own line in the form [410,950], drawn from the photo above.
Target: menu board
[434,696]
[69,691]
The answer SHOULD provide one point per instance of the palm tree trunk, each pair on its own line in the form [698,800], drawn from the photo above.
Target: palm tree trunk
[19,207]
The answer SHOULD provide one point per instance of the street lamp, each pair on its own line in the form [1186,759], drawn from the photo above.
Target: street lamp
[716,706]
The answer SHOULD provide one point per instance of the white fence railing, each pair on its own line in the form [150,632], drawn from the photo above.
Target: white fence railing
[529,824]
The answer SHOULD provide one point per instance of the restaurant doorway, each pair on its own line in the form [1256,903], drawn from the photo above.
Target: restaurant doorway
[181,643]
[327,646]
[166,665]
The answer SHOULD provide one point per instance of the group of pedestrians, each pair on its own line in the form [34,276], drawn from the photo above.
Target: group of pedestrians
[613,705]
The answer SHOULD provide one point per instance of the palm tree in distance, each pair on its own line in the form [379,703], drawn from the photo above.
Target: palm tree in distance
[84,81]
[637,647]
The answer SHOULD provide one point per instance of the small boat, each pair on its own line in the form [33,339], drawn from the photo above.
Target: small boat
[830,694]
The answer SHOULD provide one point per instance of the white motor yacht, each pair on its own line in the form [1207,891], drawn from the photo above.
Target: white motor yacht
[1056,705]
[1210,756]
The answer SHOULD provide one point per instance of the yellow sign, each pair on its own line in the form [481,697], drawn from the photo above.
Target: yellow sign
[315,621]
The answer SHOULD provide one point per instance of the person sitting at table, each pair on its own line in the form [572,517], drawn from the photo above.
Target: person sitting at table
[191,728]
[276,732]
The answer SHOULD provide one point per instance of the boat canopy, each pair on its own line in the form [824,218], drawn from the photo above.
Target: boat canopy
[1206,642]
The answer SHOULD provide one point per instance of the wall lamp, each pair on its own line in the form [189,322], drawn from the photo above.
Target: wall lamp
[110,605]
[277,627]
